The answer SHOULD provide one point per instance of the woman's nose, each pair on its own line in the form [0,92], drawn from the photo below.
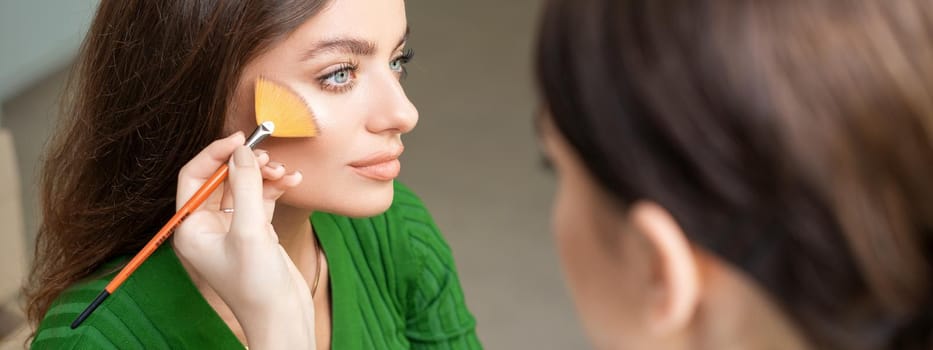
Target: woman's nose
[395,112]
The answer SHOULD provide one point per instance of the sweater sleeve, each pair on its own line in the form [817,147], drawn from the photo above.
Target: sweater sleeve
[437,316]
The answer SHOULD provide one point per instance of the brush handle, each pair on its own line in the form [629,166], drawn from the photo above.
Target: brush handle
[190,206]
[262,131]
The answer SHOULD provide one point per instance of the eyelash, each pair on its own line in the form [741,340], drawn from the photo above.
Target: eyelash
[351,68]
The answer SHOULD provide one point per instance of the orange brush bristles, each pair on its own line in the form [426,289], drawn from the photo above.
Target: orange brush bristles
[280,105]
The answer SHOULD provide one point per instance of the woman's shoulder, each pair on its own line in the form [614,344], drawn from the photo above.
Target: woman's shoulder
[403,253]
[434,290]
[405,225]
[423,239]
[399,241]
[153,309]
[98,332]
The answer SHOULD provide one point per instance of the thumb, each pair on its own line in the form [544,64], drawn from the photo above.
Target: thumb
[246,187]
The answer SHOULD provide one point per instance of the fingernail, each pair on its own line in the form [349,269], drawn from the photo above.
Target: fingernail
[243,157]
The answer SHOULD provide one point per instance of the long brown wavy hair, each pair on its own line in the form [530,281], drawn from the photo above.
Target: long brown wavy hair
[791,138]
[151,88]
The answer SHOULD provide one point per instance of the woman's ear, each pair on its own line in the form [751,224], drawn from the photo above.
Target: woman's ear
[675,276]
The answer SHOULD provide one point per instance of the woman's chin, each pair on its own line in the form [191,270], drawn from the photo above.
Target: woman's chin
[364,210]
[360,202]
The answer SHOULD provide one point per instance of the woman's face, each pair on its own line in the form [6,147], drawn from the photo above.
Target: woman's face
[346,62]
[603,261]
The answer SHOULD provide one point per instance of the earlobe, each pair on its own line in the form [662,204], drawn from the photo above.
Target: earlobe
[677,272]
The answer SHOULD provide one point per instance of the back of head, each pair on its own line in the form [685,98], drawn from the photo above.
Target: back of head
[794,139]
[152,87]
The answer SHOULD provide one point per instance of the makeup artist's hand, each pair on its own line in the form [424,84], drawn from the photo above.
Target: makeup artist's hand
[239,254]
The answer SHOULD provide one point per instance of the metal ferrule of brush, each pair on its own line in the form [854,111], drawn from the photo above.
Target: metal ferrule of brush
[263,131]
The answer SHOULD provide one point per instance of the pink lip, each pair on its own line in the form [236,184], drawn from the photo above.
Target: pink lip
[383,166]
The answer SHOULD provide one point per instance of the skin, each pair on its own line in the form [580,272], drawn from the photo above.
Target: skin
[346,62]
[639,283]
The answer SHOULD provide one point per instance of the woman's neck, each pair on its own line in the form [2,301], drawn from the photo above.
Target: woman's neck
[295,233]
[737,314]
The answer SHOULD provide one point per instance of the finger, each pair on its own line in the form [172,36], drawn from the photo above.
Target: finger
[273,171]
[270,172]
[262,157]
[203,165]
[273,190]
[226,201]
[249,219]
[216,200]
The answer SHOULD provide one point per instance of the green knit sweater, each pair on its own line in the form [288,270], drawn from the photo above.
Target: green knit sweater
[393,286]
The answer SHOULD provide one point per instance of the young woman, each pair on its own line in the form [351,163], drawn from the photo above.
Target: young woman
[157,83]
[743,174]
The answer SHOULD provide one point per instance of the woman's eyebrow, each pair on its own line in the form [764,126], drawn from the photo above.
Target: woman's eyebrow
[353,46]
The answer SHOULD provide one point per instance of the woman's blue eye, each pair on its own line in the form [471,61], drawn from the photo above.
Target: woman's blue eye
[397,65]
[340,77]
[340,80]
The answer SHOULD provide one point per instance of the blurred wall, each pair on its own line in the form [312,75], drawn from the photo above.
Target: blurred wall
[37,38]
[472,158]
[30,116]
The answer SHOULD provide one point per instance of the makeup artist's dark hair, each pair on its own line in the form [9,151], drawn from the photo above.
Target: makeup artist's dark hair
[791,138]
[151,88]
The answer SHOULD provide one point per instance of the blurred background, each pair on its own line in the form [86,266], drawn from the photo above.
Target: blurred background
[473,157]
